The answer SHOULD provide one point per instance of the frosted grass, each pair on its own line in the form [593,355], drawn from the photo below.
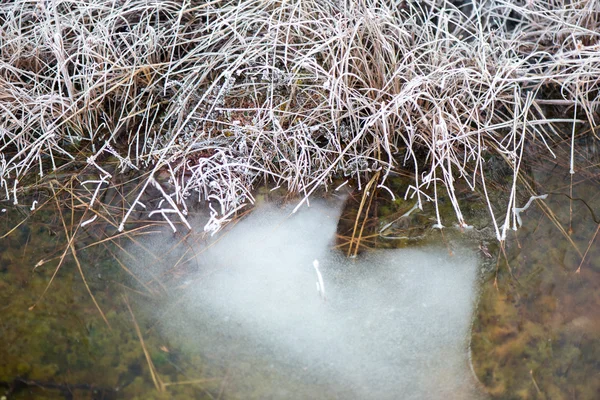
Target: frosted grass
[210,98]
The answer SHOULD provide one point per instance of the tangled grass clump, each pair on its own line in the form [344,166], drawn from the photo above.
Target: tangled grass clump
[219,95]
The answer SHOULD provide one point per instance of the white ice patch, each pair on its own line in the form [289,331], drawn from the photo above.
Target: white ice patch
[395,323]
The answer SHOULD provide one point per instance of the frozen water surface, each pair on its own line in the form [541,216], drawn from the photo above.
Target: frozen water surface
[392,324]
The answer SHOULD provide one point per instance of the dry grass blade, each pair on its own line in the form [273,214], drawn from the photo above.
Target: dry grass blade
[158,383]
[355,239]
[588,249]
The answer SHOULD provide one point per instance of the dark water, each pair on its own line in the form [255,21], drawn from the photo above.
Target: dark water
[536,332]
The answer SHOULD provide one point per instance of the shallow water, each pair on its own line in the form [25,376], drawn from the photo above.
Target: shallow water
[54,344]
[537,329]
[229,323]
